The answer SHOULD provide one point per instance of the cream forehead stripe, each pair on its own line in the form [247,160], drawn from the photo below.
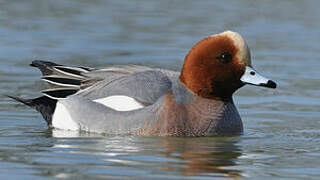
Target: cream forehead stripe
[244,52]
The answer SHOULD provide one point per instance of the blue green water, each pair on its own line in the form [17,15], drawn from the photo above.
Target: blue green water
[282,129]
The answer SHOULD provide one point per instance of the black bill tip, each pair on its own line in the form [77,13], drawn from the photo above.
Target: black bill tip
[270,84]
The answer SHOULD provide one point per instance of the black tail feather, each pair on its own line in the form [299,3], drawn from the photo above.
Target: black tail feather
[43,104]
[62,81]
[59,92]
[44,66]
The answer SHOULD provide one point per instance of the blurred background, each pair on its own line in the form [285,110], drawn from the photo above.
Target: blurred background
[282,130]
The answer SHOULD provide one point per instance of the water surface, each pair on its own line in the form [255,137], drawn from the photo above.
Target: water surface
[282,129]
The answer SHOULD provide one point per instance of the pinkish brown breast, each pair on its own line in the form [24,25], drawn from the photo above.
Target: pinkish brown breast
[200,117]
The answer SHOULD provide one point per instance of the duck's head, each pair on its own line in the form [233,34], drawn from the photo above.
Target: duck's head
[219,65]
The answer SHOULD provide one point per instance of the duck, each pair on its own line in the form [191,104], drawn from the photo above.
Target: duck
[144,101]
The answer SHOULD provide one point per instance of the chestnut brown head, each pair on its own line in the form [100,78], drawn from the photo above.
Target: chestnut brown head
[215,66]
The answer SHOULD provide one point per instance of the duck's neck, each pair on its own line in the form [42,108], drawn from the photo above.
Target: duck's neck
[186,114]
[213,116]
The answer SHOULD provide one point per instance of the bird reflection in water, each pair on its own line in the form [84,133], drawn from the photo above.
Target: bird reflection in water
[205,156]
[210,156]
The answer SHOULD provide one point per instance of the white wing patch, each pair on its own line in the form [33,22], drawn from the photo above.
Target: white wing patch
[61,119]
[120,103]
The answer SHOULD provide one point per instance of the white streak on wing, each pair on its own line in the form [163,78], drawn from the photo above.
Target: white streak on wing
[61,119]
[120,103]
[60,84]
[69,74]
[74,68]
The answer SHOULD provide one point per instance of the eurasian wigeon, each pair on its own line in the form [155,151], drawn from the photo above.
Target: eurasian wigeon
[152,102]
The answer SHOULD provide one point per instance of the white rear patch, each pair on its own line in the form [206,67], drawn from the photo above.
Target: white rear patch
[61,119]
[120,103]
[60,133]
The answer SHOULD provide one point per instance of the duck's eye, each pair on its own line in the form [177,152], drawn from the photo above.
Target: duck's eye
[225,57]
